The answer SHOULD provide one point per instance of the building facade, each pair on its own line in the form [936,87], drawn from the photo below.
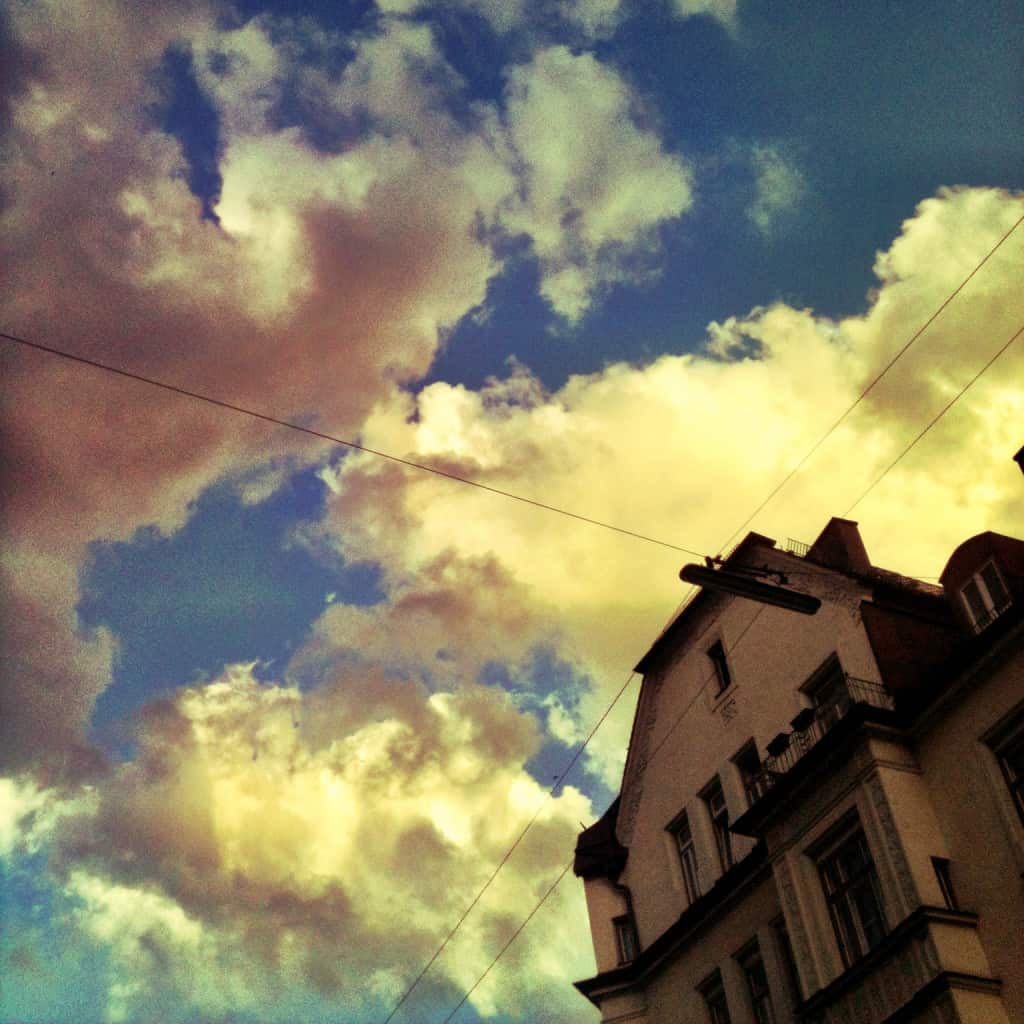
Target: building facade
[822,815]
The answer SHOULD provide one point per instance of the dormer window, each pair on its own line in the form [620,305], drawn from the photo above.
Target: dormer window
[985,596]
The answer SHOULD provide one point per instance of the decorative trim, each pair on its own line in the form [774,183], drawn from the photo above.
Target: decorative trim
[883,953]
[633,785]
[798,936]
[894,847]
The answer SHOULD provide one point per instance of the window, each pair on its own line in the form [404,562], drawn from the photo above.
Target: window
[626,938]
[714,798]
[716,652]
[786,946]
[985,596]
[714,998]
[749,766]
[757,984]
[852,892]
[945,880]
[1008,746]
[680,829]
[827,691]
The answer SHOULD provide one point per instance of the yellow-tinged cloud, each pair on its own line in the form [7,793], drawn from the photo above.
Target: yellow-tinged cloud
[247,839]
[682,448]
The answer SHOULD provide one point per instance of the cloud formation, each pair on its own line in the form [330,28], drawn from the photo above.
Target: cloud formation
[330,280]
[264,838]
[663,448]
[332,823]
[779,188]
[596,184]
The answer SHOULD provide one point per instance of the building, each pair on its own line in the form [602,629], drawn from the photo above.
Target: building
[822,815]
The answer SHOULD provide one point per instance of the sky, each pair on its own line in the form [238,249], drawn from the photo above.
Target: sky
[274,709]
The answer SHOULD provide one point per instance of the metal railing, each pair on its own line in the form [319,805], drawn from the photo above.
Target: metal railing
[984,621]
[847,694]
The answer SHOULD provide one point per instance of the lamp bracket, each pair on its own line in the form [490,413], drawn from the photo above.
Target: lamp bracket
[753,571]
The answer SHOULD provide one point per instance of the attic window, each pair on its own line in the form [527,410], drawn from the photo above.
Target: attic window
[716,652]
[985,596]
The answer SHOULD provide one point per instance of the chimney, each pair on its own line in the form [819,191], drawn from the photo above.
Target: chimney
[840,547]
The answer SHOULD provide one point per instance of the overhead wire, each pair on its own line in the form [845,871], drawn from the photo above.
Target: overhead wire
[935,419]
[512,938]
[885,369]
[650,757]
[423,467]
[699,692]
[739,639]
[355,445]
[508,853]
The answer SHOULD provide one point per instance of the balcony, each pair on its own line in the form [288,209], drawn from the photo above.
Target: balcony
[844,693]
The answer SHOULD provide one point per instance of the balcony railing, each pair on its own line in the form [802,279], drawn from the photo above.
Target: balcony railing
[982,622]
[811,725]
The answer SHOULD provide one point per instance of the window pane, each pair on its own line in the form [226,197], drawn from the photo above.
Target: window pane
[716,652]
[975,602]
[996,590]
[714,998]
[714,798]
[625,934]
[854,900]
[757,985]
[687,856]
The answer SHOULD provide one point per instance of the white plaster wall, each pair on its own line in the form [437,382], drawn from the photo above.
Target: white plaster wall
[984,835]
[673,995]
[777,653]
[605,902]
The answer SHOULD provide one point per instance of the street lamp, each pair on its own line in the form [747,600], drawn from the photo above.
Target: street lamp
[736,582]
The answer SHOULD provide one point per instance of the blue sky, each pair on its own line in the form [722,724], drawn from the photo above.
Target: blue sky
[626,257]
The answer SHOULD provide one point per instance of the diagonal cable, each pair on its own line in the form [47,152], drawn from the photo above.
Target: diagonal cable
[290,425]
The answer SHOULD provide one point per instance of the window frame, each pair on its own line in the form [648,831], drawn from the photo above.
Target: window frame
[785,944]
[1006,742]
[844,895]
[944,876]
[751,961]
[991,608]
[719,822]
[749,765]
[717,655]
[627,942]
[686,851]
[716,1002]
[826,690]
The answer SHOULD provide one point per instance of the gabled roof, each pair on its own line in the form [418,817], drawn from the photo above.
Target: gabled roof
[676,629]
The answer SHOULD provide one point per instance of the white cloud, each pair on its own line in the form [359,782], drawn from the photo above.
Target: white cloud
[723,11]
[668,449]
[596,185]
[779,187]
[266,839]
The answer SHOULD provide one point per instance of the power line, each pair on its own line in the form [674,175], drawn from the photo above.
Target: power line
[551,508]
[508,853]
[711,675]
[512,938]
[210,400]
[529,917]
[860,398]
[935,419]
